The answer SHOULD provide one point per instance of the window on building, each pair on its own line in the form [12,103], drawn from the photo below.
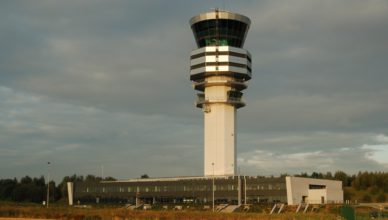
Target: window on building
[221,32]
[313,186]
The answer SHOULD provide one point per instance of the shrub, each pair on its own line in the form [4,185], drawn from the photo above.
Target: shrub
[374,190]
[381,198]
[367,198]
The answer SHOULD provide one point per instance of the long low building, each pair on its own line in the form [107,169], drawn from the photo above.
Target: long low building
[226,189]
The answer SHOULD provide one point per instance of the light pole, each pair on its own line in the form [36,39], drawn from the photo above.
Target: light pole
[102,172]
[238,187]
[48,183]
[245,190]
[213,186]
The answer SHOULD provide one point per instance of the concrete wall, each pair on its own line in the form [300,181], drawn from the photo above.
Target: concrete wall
[317,196]
[298,188]
[220,139]
[70,191]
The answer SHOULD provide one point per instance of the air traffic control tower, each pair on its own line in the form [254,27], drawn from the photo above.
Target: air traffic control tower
[219,68]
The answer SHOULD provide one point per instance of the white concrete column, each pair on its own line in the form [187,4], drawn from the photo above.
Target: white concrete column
[70,191]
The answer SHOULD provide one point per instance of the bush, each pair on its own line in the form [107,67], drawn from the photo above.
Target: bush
[374,190]
[381,198]
[348,195]
[367,198]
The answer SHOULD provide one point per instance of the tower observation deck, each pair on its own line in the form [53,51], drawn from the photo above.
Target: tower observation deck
[218,70]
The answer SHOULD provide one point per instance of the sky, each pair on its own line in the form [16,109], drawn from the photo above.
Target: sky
[102,87]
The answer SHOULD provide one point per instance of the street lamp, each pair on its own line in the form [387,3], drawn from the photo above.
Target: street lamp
[238,187]
[213,186]
[48,183]
[245,190]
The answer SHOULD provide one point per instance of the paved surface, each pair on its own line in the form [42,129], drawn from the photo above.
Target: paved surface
[383,206]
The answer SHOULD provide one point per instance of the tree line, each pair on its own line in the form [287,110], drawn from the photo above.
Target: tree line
[34,190]
[360,181]
[373,184]
[27,189]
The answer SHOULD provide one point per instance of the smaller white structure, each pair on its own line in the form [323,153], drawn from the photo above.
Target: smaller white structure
[70,191]
[313,191]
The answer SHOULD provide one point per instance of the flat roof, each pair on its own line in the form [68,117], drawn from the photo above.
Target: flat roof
[179,178]
[222,14]
[167,179]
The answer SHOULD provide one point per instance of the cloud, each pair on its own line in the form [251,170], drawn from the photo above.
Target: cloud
[378,151]
[346,159]
[77,139]
[89,82]
[294,153]
[381,138]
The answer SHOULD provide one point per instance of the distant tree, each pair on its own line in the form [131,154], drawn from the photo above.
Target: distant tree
[356,184]
[284,174]
[57,193]
[92,178]
[39,181]
[317,175]
[36,193]
[385,183]
[302,175]
[19,193]
[342,176]
[328,175]
[144,176]
[350,180]
[26,180]
[364,180]
[54,191]
[6,188]
[109,178]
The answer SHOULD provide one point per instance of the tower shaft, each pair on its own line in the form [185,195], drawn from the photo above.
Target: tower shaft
[220,140]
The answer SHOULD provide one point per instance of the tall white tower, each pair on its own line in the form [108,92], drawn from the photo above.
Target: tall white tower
[219,69]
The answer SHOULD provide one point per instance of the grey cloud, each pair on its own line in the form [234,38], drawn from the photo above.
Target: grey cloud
[72,136]
[318,65]
[348,160]
[87,83]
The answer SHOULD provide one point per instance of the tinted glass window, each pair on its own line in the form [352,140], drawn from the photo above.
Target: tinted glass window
[222,32]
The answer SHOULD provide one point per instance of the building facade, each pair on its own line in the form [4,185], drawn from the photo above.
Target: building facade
[313,191]
[199,190]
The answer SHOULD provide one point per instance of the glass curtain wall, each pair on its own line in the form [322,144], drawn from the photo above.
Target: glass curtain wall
[220,32]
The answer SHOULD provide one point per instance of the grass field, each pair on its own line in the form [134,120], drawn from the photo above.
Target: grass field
[13,210]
